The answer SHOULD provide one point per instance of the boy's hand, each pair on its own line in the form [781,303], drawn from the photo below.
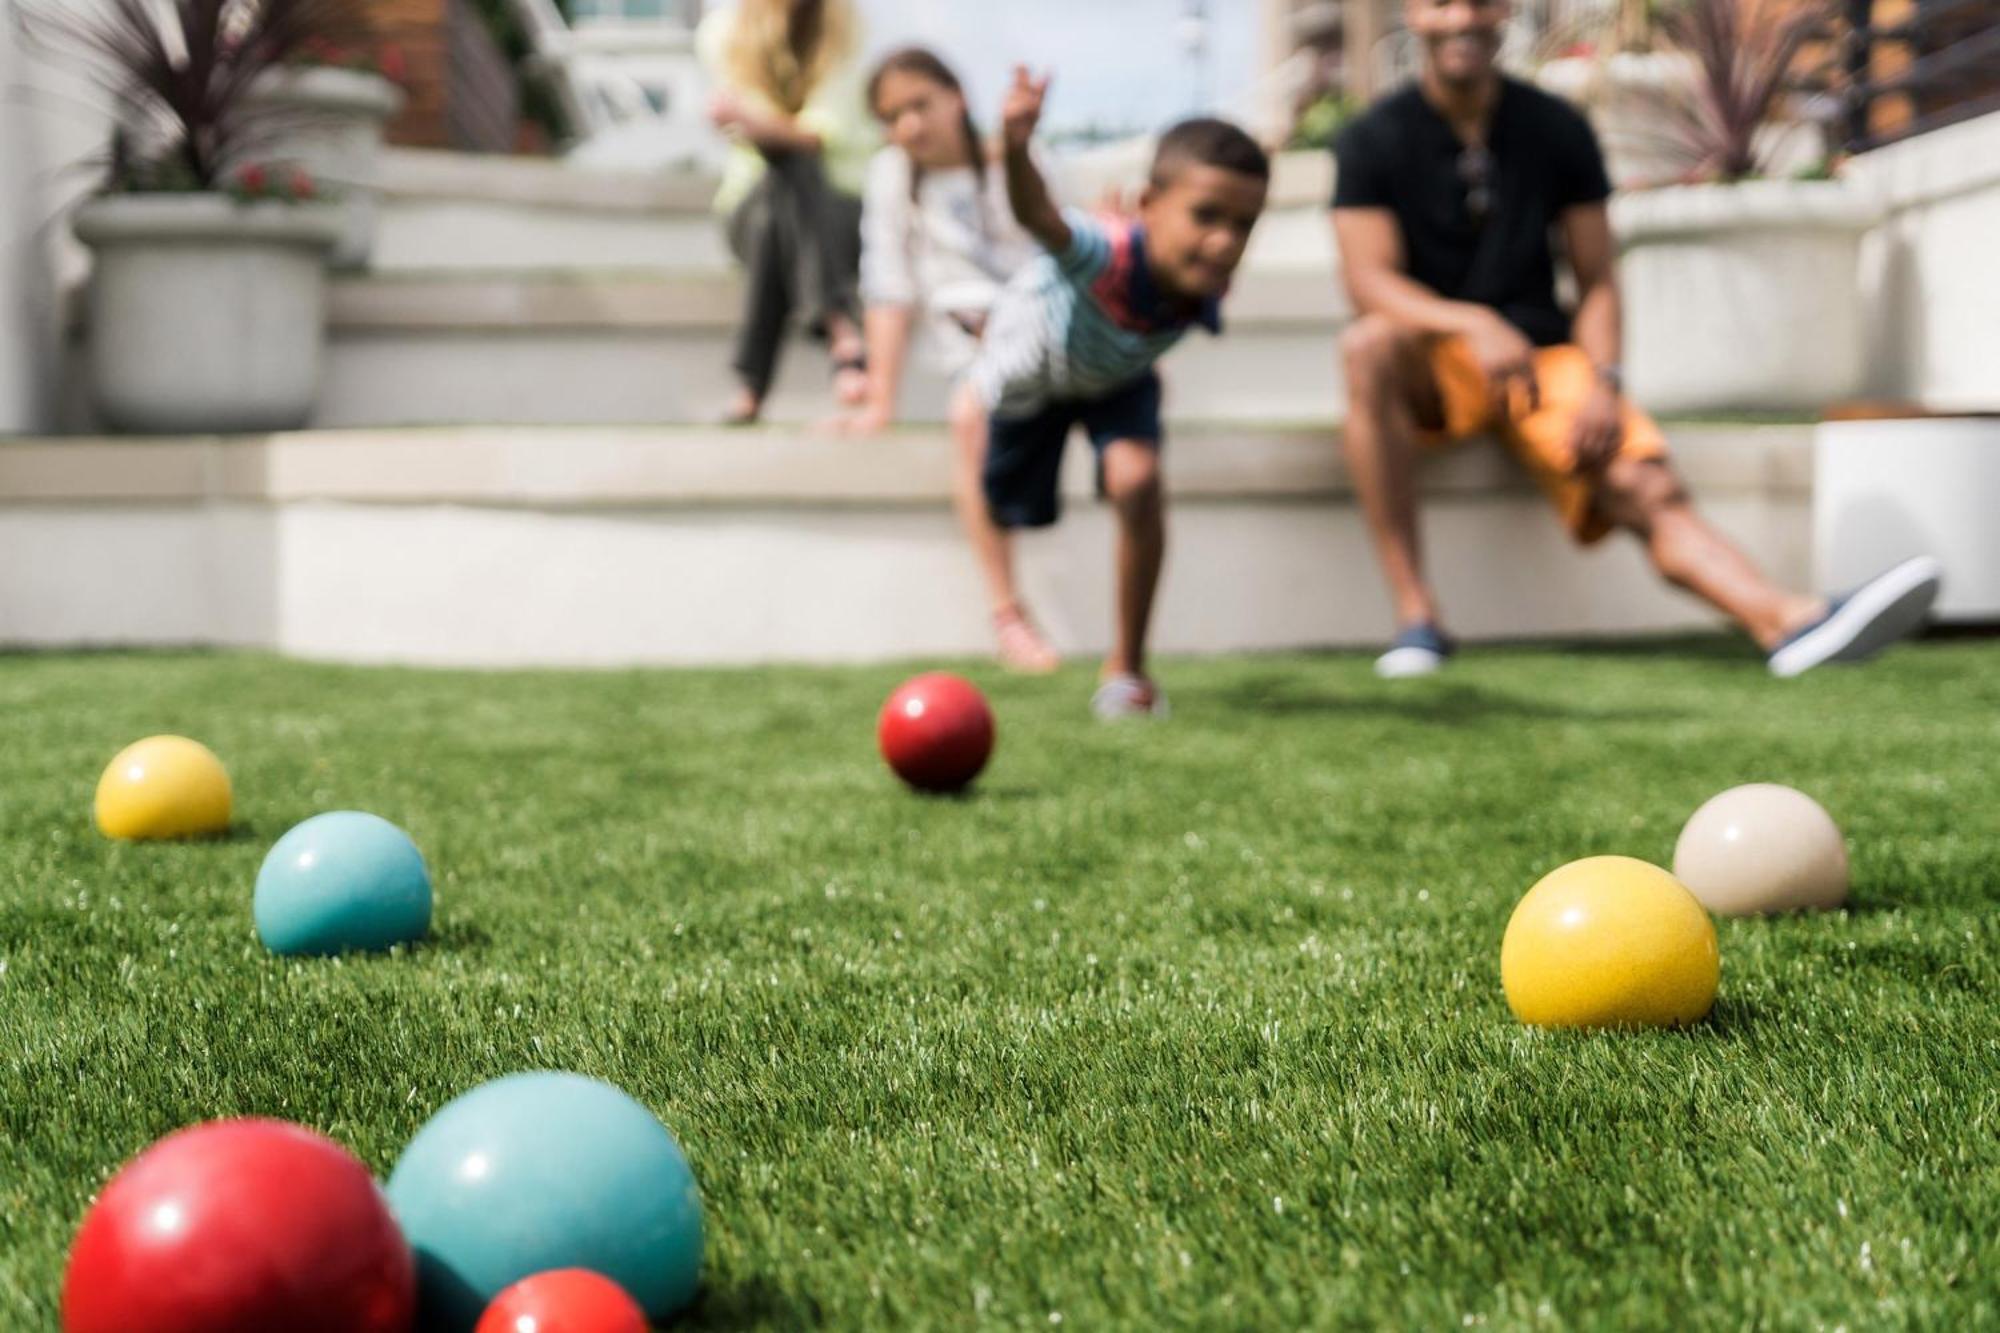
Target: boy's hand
[1022,111]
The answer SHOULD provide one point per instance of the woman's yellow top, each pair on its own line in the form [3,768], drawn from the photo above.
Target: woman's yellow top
[836,111]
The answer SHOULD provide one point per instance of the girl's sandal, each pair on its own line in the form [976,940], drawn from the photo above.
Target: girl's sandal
[1022,648]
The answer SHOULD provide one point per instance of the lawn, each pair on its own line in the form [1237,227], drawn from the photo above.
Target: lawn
[1190,1025]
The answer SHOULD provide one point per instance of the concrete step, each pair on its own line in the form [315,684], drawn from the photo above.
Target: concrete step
[461,212]
[571,347]
[600,546]
[604,347]
[521,291]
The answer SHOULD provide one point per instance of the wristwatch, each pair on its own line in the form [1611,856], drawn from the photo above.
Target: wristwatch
[1612,377]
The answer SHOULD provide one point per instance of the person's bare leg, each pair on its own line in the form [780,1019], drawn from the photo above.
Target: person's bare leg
[1380,443]
[992,548]
[1022,646]
[1644,497]
[1132,484]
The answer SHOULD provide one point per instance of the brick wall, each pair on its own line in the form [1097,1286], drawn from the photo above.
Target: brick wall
[460,91]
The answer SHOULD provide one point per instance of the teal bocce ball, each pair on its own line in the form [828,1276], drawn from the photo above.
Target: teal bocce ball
[341,881]
[543,1171]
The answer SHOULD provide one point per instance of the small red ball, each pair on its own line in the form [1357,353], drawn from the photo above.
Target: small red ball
[240,1226]
[936,731]
[568,1300]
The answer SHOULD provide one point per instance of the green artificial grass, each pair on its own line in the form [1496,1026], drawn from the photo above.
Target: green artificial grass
[1196,1025]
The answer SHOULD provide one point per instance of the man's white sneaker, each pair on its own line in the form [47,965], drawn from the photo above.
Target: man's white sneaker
[1419,650]
[1891,606]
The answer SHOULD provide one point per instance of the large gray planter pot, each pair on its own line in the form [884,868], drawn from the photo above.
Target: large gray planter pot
[206,314]
[330,122]
[1744,297]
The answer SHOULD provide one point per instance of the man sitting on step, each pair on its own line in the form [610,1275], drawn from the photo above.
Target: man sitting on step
[1448,193]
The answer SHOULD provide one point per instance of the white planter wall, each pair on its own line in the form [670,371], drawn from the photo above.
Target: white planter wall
[1930,277]
[575,546]
[206,314]
[1887,490]
[1744,297]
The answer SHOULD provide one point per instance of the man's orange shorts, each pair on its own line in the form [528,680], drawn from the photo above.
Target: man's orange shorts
[1564,378]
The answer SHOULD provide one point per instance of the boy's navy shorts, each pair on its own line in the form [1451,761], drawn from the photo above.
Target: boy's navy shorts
[1024,454]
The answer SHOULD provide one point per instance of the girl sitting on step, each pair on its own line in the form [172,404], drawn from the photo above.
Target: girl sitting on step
[939,241]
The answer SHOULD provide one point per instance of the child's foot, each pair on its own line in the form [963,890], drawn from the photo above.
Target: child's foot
[1127,696]
[1418,650]
[1888,607]
[1022,647]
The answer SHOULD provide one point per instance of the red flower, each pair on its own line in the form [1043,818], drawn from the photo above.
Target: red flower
[252,179]
[302,185]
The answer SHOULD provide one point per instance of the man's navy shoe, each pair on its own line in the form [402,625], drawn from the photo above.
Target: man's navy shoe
[1419,650]
[1888,607]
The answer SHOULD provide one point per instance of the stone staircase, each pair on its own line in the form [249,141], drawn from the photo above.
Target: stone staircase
[510,468]
[524,292]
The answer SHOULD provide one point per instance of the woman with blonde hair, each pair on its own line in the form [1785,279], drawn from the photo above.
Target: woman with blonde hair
[787,93]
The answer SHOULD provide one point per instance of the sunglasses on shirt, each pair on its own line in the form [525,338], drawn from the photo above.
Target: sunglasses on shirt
[1475,173]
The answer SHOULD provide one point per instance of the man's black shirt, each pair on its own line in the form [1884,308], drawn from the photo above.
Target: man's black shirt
[1402,155]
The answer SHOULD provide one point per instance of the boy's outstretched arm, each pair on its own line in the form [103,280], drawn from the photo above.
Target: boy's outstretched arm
[1027,192]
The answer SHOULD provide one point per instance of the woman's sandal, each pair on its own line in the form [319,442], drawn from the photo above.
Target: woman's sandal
[745,411]
[850,375]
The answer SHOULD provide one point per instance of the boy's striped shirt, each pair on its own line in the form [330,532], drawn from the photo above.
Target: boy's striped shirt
[1079,324]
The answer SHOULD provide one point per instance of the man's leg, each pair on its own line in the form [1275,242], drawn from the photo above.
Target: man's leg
[1646,498]
[1380,443]
[1132,485]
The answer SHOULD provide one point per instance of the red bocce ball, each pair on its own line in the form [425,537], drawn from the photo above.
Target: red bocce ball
[936,731]
[568,1300]
[240,1226]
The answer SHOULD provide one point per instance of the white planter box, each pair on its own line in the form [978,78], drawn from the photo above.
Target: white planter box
[1887,490]
[1743,297]
[206,314]
[329,121]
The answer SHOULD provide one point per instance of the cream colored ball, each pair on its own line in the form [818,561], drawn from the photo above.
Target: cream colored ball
[1760,849]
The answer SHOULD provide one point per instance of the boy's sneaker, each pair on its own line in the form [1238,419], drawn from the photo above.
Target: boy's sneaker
[1888,607]
[1419,650]
[1122,697]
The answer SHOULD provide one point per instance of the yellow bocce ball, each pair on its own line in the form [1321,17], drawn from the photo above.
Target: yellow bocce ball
[1609,941]
[163,787]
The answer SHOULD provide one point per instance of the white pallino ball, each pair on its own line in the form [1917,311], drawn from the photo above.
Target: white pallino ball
[1762,848]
